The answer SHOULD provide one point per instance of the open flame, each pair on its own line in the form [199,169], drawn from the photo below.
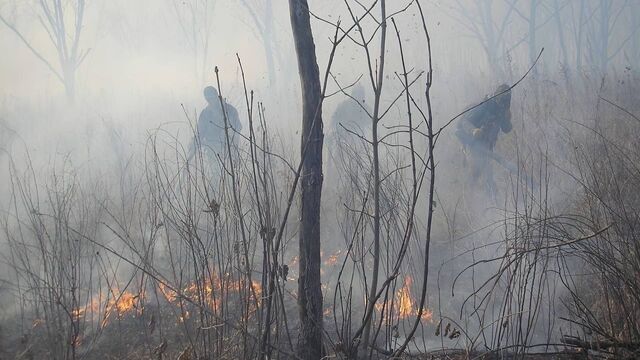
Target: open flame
[405,303]
[120,303]
[210,293]
[405,306]
[124,303]
[114,303]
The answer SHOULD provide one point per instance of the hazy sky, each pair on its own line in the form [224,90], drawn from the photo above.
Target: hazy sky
[141,66]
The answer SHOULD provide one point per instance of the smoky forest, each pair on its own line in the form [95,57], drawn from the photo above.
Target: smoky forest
[319,179]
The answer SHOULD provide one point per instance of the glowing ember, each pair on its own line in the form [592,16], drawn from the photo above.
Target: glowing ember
[427,315]
[76,341]
[37,322]
[170,295]
[77,313]
[333,259]
[182,318]
[379,307]
[257,288]
[294,261]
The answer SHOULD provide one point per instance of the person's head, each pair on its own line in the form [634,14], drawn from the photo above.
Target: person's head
[211,94]
[503,93]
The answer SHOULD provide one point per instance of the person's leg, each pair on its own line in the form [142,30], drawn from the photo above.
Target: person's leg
[477,165]
[489,181]
[214,165]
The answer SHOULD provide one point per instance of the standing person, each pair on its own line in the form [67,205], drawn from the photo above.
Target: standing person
[351,114]
[478,132]
[346,168]
[210,132]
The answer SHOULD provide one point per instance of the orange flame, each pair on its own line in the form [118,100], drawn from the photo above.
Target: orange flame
[211,291]
[123,303]
[405,305]
[120,303]
[170,295]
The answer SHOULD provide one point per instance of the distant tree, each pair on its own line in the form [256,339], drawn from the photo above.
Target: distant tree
[560,35]
[602,31]
[537,16]
[490,29]
[578,30]
[633,54]
[533,19]
[63,23]
[608,35]
[195,18]
[261,13]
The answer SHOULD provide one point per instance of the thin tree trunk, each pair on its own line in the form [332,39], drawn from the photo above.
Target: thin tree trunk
[69,76]
[533,50]
[366,338]
[267,41]
[561,42]
[603,49]
[579,36]
[309,290]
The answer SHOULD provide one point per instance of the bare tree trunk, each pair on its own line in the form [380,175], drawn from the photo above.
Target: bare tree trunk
[561,41]
[268,41]
[579,36]
[604,33]
[55,21]
[371,298]
[69,75]
[634,60]
[309,290]
[195,18]
[533,49]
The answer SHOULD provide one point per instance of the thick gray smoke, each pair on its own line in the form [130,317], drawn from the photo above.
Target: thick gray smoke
[112,199]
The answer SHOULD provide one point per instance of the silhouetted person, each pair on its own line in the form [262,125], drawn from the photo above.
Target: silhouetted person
[349,115]
[478,131]
[210,129]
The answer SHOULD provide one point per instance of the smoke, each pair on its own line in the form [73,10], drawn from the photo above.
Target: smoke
[139,93]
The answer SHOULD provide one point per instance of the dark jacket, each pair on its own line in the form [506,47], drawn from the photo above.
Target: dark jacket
[211,125]
[490,118]
[352,116]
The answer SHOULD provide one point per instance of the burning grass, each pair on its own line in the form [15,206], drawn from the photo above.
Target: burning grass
[404,305]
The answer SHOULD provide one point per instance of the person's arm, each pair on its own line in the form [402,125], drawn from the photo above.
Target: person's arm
[464,123]
[199,124]
[466,131]
[193,145]
[235,119]
[506,125]
[472,123]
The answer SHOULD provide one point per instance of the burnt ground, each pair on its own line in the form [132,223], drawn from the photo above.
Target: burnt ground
[157,334]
